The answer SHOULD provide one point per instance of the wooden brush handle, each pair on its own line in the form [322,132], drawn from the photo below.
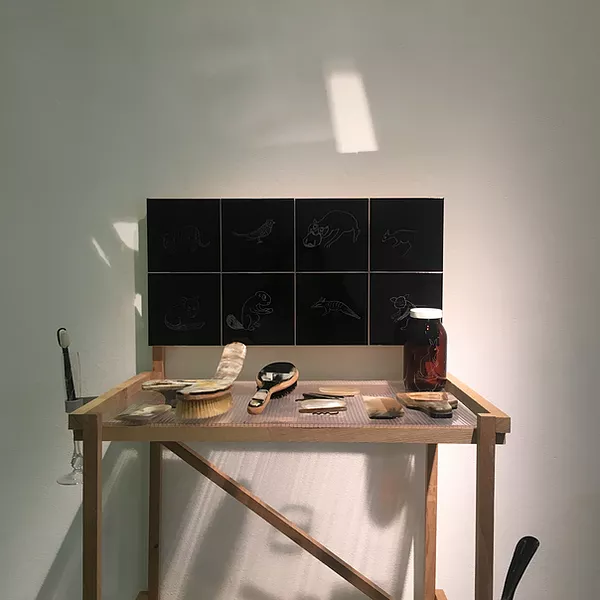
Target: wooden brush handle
[259,401]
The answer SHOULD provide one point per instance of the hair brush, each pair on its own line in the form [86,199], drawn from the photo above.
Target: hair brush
[273,381]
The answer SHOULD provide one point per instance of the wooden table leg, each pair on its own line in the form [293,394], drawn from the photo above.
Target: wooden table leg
[431,478]
[484,527]
[154,521]
[92,506]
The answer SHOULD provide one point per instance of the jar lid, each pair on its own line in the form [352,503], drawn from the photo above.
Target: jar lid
[426,313]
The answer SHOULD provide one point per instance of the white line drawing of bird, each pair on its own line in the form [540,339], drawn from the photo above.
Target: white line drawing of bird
[259,234]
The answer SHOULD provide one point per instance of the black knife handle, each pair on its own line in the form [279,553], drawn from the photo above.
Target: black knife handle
[524,551]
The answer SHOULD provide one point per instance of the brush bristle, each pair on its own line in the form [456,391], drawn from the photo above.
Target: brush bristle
[192,410]
[285,392]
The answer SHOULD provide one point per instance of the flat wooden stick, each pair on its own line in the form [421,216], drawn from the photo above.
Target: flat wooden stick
[440,595]
[277,520]
[484,526]
[154,509]
[431,521]
[92,506]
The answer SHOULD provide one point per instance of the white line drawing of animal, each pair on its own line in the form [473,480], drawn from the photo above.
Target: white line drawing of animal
[258,235]
[401,237]
[180,317]
[330,228]
[253,308]
[403,306]
[334,306]
[186,239]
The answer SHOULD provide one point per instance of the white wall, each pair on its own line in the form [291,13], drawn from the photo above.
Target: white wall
[489,104]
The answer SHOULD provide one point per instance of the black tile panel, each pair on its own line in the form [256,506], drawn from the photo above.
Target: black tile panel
[285,271]
[184,235]
[331,308]
[258,235]
[184,309]
[407,234]
[392,297]
[332,235]
[258,308]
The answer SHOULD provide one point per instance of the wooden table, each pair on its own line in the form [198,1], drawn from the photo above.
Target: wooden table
[476,421]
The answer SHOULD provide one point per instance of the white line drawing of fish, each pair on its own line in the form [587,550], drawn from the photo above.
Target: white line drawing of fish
[186,239]
[330,228]
[253,308]
[180,317]
[258,235]
[403,306]
[401,237]
[334,306]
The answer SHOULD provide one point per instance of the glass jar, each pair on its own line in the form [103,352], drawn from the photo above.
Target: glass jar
[425,351]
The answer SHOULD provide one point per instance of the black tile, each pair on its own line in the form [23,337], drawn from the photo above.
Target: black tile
[392,297]
[183,235]
[407,234]
[331,308]
[332,235]
[258,235]
[184,310]
[258,308]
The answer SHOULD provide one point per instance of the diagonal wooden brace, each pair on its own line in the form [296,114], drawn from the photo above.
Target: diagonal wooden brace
[277,520]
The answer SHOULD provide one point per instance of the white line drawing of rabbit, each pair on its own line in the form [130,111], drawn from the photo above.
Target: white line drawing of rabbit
[330,228]
[403,306]
[400,237]
[334,306]
[180,317]
[253,308]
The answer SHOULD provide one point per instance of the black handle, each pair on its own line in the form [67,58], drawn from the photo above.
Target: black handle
[524,551]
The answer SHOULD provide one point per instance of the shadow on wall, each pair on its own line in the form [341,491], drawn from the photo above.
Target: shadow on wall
[124,523]
[216,547]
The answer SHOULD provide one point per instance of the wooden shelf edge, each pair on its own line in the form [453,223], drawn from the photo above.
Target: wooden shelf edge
[439,595]
[476,403]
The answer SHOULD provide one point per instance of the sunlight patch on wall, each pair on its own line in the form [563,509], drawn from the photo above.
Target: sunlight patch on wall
[350,113]
[100,252]
[128,233]
[137,302]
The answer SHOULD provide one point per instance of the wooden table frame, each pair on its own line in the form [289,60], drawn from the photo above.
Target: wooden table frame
[492,426]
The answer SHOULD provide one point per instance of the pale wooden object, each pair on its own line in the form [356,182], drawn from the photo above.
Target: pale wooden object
[477,403]
[484,526]
[158,362]
[110,403]
[92,506]
[431,483]
[277,520]
[154,509]
[440,595]
[277,432]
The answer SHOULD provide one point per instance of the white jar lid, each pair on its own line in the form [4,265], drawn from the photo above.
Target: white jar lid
[426,313]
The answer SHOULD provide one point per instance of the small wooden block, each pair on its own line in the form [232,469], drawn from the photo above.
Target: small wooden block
[438,405]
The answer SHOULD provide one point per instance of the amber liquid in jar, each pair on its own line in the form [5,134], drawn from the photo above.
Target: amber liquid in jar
[425,351]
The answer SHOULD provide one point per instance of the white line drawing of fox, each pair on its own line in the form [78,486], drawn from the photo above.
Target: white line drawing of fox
[330,228]
[403,306]
[334,306]
[253,308]
[186,239]
[180,317]
[259,234]
[401,237]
